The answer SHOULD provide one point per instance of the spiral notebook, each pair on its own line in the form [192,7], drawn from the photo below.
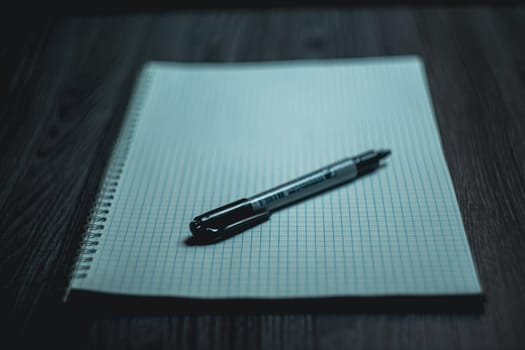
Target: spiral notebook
[197,136]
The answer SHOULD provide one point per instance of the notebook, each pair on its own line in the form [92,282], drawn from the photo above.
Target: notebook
[197,136]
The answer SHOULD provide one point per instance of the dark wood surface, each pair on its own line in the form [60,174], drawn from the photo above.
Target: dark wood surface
[65,83]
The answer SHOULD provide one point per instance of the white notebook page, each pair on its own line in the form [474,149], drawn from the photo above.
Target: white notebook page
[209,134]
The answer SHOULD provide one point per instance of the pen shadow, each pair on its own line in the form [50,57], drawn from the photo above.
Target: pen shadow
[192,241]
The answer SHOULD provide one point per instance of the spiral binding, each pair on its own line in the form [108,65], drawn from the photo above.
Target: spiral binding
[94,228]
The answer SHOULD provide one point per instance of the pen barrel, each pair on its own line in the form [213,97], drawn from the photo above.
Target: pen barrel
[305,186]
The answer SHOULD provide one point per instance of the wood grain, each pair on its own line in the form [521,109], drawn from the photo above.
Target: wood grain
[65,85]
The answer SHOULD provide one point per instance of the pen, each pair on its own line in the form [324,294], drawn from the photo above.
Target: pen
[245,213]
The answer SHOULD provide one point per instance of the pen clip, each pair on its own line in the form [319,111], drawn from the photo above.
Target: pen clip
[246,223]
[226,221]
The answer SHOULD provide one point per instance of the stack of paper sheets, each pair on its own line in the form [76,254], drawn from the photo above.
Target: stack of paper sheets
[203,135]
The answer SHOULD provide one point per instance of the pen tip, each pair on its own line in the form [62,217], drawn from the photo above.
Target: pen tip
[383,153]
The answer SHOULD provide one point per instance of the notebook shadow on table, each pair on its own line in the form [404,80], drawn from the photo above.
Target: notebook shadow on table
[84,303]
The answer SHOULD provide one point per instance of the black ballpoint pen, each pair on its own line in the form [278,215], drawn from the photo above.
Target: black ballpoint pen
[245,213]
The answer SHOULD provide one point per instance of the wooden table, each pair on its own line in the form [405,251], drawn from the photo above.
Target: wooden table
[65,84]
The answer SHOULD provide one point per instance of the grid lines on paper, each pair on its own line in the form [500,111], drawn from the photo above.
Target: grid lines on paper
[212,134]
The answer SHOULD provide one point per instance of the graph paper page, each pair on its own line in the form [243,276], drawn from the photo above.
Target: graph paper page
[208,134]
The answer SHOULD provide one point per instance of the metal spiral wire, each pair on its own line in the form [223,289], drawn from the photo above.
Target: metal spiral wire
[98,214]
